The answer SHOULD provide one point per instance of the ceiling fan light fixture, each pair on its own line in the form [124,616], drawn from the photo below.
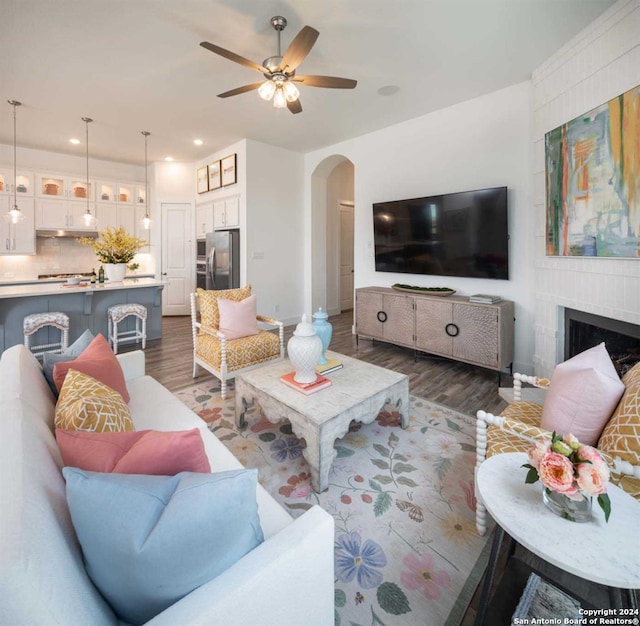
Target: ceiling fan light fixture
[279,99]
[291,92]
[267,89]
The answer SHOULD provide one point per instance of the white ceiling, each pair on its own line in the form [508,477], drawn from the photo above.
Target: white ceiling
[136,65]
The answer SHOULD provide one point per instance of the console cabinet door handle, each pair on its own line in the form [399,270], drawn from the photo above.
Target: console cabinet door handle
[452,330]
[382,316]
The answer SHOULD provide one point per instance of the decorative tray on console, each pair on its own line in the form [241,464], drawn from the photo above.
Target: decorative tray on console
[430,291]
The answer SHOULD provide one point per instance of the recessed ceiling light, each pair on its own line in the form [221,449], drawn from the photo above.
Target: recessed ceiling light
[198,142]
[74,141]
[388,90]
[168,158]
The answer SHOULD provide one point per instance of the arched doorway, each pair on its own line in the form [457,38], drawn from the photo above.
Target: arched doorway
[332,207]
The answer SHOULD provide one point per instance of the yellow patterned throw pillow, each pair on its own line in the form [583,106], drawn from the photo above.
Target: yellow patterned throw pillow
[87,404]
[621,436]
[209,312]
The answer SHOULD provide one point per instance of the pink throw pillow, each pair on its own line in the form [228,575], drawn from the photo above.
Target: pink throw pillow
[161,453]
[582,396]
[238,319]
[97,361]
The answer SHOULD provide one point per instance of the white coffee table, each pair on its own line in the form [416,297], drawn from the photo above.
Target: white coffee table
[358,392]
[604,553]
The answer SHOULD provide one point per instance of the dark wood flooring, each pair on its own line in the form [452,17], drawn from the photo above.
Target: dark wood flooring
[462,387]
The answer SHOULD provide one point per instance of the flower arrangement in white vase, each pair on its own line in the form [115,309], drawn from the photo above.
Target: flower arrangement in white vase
[115,248]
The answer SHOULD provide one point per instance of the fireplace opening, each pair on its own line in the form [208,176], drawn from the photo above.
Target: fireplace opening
[586,330]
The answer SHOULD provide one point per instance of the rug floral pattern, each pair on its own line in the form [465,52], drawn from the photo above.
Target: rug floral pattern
[406,548]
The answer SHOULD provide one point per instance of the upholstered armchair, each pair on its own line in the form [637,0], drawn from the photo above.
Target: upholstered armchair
[213,346]
[519,425]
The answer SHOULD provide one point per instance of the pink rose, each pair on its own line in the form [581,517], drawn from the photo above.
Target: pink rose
[556,473]
[593,476]
[590,480]
[587,453]
[536,452]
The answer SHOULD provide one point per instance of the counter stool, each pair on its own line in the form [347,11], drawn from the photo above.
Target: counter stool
[34,322]
[116,314]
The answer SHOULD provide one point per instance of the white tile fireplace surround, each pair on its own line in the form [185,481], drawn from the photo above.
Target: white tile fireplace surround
[611,290]
[600,63]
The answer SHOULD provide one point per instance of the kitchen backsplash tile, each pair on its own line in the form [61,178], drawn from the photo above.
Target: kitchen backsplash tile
[59,255]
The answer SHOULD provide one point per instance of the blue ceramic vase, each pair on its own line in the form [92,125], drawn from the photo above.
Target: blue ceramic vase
[324,330]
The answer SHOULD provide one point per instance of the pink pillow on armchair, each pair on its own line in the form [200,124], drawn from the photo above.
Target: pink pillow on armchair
[582,396]
[238,319]
[160,453]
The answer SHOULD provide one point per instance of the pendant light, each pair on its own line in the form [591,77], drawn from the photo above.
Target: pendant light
[14,215]
[146,220]
[88,218]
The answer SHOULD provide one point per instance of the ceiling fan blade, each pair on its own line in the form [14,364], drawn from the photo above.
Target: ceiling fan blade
[299,48]
[232,56]
[332,82]
[295,106]
[239,90]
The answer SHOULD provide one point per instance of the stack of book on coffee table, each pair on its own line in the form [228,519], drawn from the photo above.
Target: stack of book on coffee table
[321,382]
[330,366]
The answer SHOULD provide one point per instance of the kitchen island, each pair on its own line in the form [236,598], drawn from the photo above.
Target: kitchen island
[85,304]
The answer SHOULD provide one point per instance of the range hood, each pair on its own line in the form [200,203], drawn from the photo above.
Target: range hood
[52,232]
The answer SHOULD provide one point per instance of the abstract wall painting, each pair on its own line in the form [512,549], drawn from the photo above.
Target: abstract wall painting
[593,182]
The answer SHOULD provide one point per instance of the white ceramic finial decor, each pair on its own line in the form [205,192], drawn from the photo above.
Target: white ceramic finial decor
[304,350]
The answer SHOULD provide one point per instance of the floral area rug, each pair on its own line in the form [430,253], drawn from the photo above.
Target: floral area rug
[406,548]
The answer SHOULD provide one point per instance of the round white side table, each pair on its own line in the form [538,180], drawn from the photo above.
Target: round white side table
[604,553]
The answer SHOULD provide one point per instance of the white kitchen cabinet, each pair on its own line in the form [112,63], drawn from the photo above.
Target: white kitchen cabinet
[122,193]
[17,238]
[204,219]
[116,204]
[226,213]
[60,214]
[140,195]
[64,187]
[23,186]
[114,215]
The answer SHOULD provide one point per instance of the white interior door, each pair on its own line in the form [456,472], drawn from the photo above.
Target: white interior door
[346,257]
[178,262]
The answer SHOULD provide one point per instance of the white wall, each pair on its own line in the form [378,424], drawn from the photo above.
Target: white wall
[273,231]
[484,142]
[269,188]
[598,64]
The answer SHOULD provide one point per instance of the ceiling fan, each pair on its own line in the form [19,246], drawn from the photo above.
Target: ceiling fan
[280,70]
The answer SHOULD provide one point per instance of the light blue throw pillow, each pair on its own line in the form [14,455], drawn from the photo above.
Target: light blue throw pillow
[150,540]
[49,359]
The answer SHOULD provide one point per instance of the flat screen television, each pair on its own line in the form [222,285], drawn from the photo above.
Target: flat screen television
[455,234]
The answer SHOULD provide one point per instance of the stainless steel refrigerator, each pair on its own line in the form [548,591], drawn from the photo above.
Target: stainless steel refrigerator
[223,259]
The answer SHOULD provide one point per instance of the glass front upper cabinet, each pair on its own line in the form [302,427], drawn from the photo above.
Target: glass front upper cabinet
[23,185]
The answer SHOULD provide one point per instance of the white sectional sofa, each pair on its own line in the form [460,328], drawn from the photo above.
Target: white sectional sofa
[287,580]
